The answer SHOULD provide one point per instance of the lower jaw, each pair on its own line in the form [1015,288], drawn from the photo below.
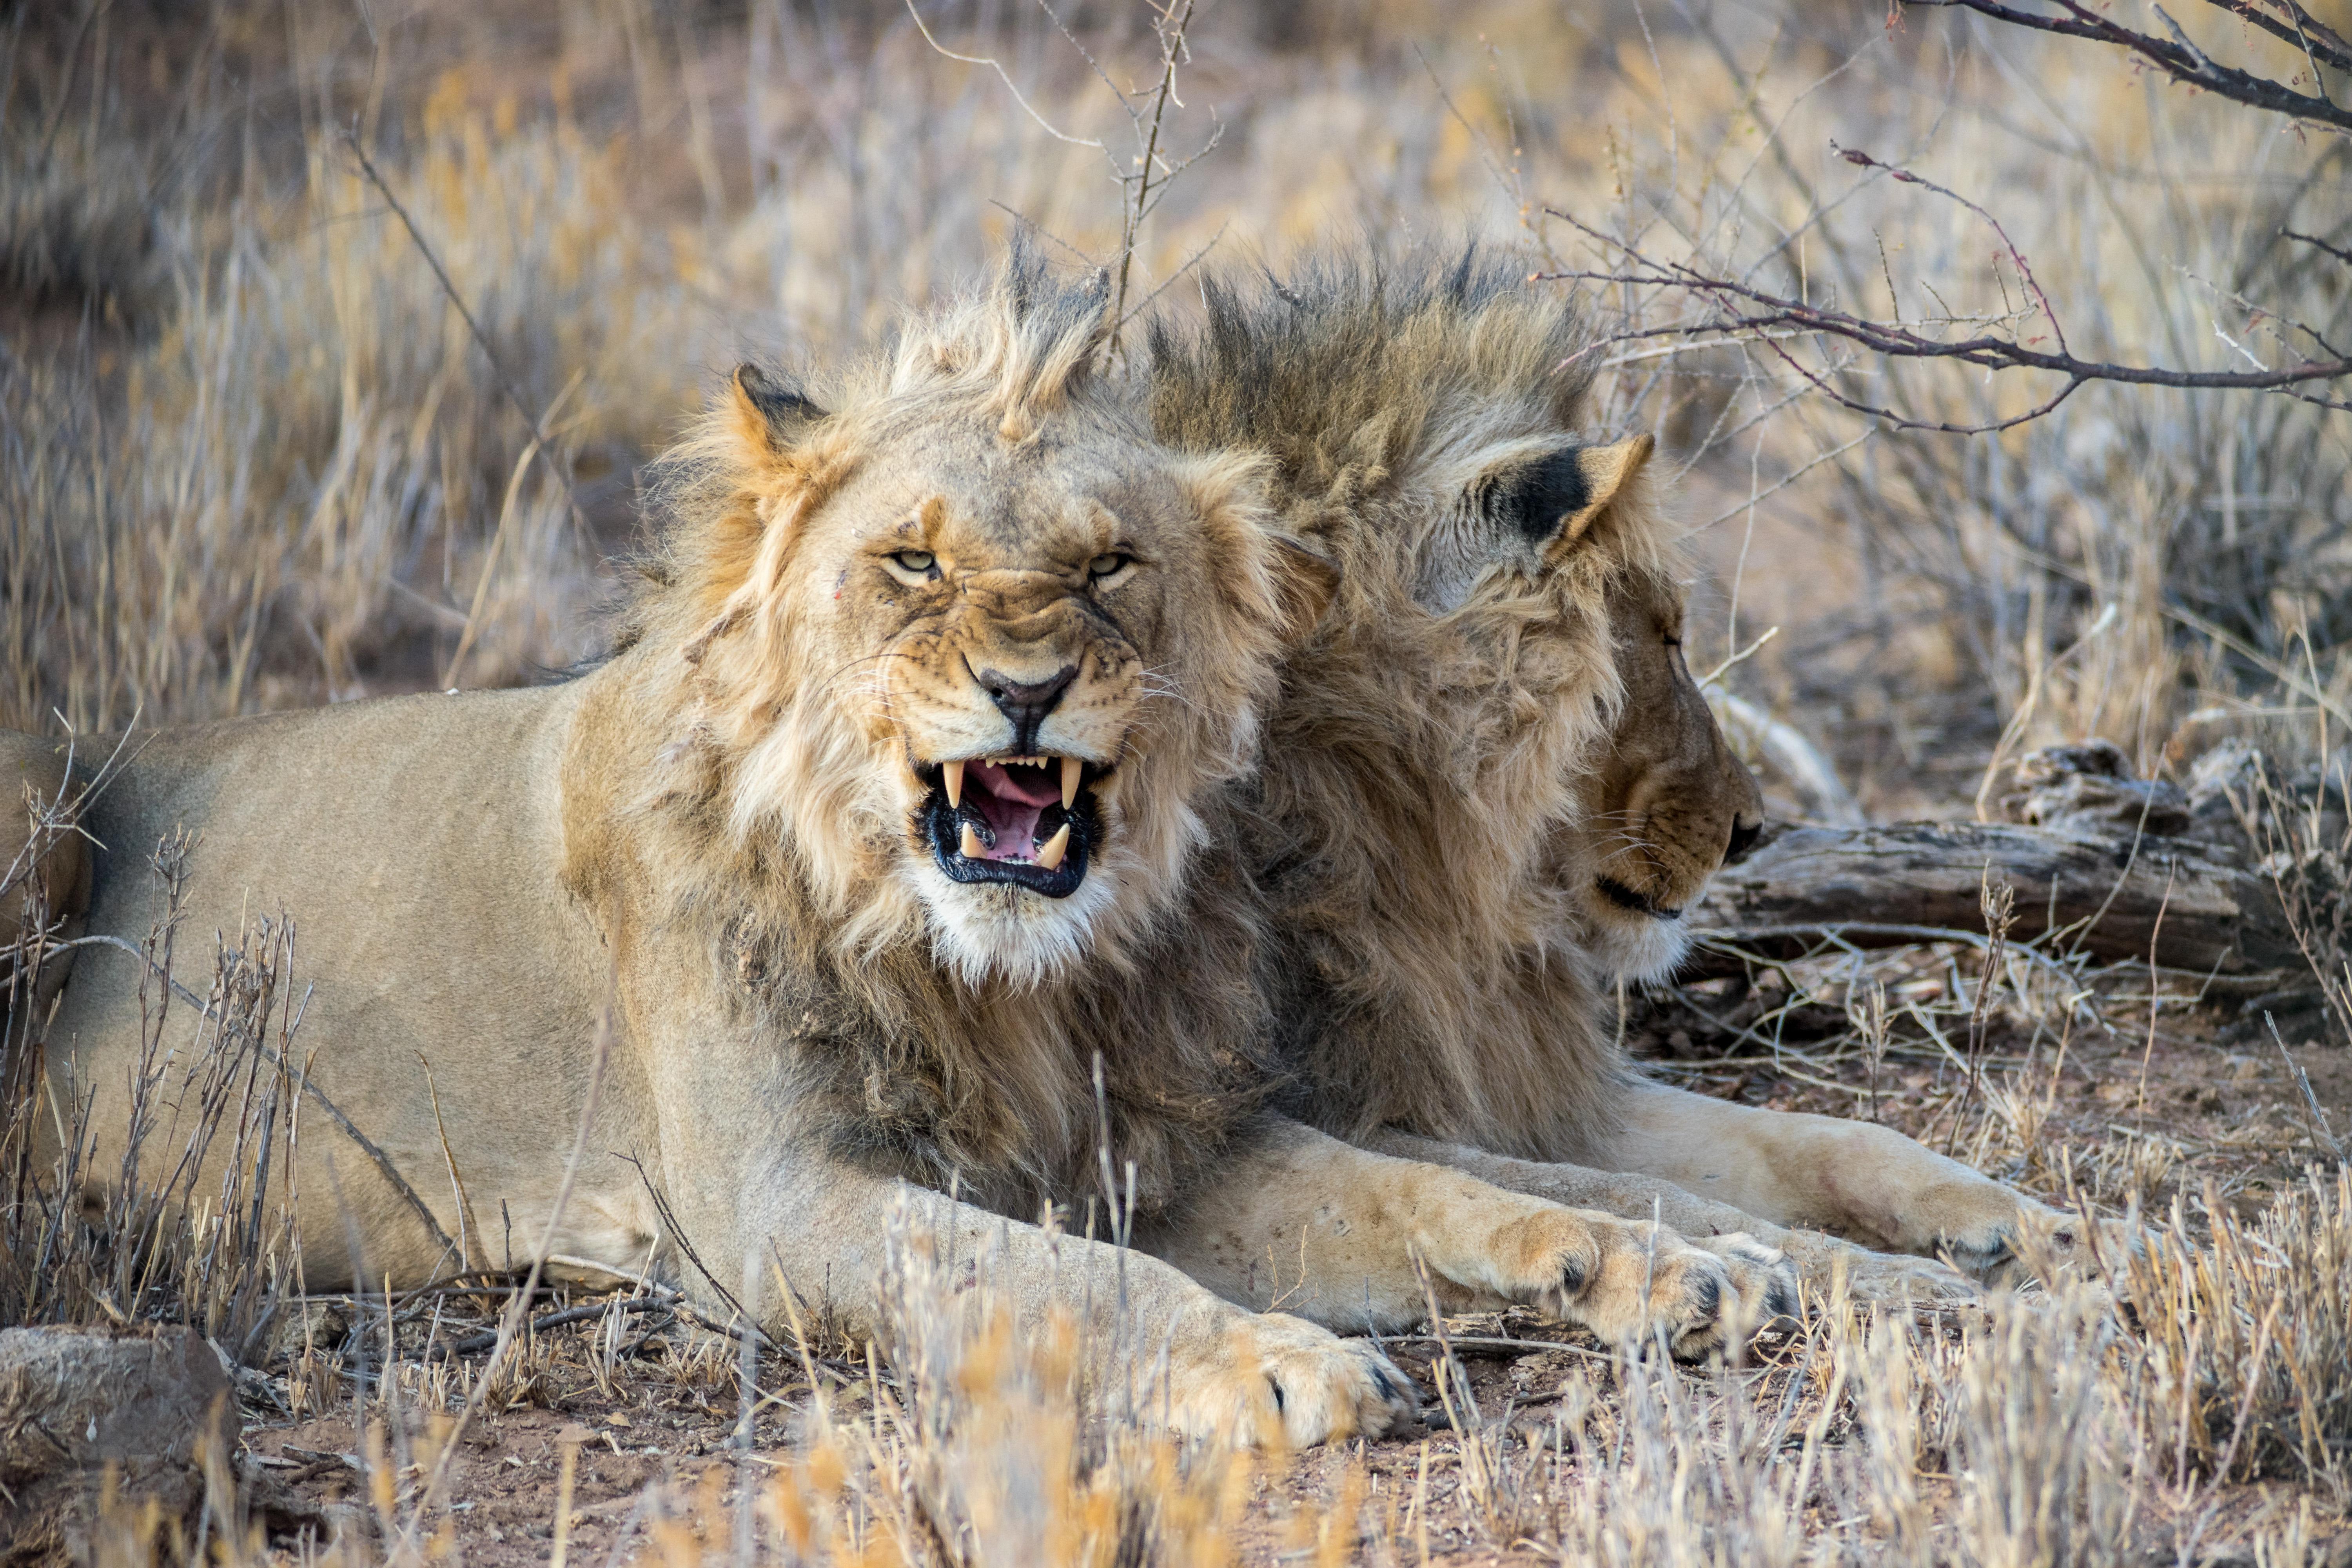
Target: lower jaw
[1059,883]
[940,829]
[1646,952]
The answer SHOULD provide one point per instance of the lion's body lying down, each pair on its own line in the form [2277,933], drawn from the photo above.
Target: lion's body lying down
[1490,786]
[885,825]
[420,820]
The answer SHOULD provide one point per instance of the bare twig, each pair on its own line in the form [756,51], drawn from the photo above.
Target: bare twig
[381,1161]
[1764,316]
[1171,48]
[2321,1133]
[677,1232]
[2318,43]
[1145,183]
[2337,251]
[1047,126]
[556,1319]
[540,442]
[2182,60]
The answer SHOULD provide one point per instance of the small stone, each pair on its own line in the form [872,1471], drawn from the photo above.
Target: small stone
[75,1402]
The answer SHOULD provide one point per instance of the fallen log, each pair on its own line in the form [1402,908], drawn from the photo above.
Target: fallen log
[2186,903]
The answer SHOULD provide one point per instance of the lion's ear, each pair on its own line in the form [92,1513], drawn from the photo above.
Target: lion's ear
[768,416]
[1554,500]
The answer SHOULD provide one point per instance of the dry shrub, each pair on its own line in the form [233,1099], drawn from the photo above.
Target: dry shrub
[168,1239]
[2249,1339]
[311,482]
[2186,541]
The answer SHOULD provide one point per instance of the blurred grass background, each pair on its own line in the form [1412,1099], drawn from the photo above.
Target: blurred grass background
[251,457]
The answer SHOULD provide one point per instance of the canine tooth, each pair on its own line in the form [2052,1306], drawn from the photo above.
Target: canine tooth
[1071,769]
[1050,853]
[971,847]
[951,777]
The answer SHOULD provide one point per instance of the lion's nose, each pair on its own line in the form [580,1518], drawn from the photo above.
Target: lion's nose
[1025,702]
[1743,838]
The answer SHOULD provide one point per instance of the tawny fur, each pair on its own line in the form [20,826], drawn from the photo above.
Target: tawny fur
[1419,767]
[743,761]
[1492,785]
[723,835]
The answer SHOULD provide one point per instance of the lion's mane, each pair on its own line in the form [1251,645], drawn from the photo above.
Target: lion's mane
[1419,790]
[733,771]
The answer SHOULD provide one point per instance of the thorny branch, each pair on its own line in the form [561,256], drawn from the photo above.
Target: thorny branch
[1740,311]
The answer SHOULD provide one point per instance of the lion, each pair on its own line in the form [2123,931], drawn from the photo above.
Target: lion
[1491,788]
[888,864]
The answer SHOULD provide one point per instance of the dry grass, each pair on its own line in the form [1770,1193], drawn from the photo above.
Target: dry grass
[252,456]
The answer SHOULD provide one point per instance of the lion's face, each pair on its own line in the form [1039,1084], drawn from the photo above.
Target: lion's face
[1643,799]
[1668,802]
[1016,663]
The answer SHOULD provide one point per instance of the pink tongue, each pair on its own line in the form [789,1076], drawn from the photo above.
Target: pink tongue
[1000,781]
[1010,810]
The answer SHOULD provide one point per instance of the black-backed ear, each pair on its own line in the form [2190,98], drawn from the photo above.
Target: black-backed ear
[769,411]
[1552,500]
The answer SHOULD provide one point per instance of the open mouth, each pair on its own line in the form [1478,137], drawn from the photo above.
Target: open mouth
[1625,898]
[1029,821]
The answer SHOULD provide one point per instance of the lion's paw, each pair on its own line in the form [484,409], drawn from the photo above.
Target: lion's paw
[1898,1278]
[2002,1239]
[1637,1284]
[1281,1382]
[1763,1279]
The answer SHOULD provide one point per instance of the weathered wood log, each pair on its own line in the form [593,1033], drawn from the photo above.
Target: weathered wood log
[2192,904]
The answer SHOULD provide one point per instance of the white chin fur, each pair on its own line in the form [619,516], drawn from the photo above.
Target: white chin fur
[994,932]
[1639,948]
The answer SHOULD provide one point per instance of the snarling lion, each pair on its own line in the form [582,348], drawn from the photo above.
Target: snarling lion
[892,857]
[1491,786]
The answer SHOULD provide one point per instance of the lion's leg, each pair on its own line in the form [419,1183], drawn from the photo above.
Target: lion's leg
[826,1228]
[1820,1258]
[1863,1181]
[1306,1223]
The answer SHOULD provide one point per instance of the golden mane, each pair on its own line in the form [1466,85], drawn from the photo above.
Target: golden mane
[749,787]
[1420,783]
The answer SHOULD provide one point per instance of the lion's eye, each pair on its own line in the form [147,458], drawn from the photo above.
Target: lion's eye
[916,561]
[1109,565]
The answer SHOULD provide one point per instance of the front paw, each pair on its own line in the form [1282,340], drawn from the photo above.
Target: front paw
[1279,1381]
[1898,1278]
[1763,1279]
[1637,1284]
[2004,1239]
